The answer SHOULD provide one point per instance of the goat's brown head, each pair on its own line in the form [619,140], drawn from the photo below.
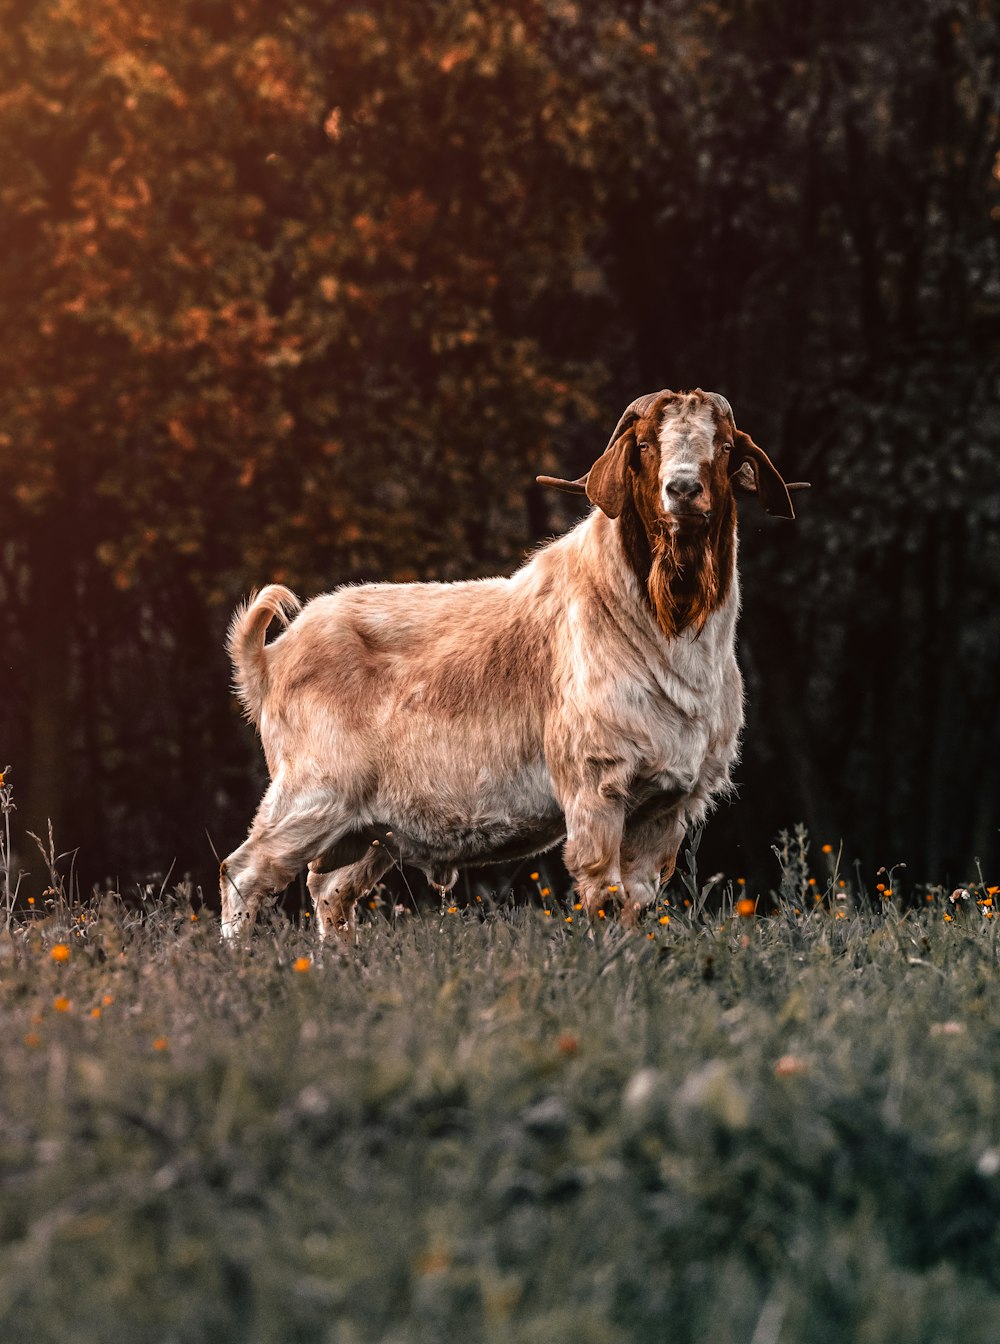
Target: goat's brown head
[668,474]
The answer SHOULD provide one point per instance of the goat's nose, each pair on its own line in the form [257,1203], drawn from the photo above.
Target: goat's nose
[684,487]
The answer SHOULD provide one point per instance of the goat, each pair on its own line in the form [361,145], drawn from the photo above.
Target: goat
[593,696]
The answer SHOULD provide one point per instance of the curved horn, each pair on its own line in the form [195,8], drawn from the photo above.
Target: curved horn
[578,487]
[637,409]
[723,405]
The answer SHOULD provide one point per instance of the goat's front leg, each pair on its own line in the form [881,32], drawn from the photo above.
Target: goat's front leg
[650,846]
[594,824]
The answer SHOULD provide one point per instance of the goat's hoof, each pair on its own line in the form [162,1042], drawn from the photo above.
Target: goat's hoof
[235,927]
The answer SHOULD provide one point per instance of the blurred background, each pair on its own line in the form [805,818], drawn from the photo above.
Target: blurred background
[310,291]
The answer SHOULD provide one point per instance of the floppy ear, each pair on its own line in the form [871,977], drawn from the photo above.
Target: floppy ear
[605,481]
[767,480]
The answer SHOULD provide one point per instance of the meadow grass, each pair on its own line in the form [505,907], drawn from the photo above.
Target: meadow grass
[509,1126]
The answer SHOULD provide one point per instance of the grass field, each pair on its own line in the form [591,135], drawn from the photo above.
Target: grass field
[505,1125]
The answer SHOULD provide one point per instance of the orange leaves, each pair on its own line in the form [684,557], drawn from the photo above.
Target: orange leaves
[455,56]
[181,435]
[278,82]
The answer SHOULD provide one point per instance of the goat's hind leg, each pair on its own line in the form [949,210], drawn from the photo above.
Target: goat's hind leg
[285,834]
[335,894]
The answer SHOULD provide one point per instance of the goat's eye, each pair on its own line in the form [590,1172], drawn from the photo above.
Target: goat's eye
[727,447]
[645,447]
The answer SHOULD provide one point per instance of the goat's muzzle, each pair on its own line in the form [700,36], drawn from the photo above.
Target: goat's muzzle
[687,503]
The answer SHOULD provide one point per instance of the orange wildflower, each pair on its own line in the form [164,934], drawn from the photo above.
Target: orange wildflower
[788,1065]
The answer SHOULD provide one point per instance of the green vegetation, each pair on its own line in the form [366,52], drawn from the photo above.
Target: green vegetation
[505,1124]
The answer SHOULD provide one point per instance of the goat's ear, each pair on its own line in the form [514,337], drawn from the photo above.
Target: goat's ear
[606,484]
[754,470]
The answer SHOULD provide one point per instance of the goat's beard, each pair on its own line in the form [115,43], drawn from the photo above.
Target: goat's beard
[685,584]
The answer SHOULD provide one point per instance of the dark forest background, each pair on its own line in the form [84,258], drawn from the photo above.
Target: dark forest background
[310,291]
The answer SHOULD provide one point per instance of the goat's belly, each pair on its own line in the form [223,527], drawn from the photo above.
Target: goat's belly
[484,819]
[458,843]
[487,826]
[493,842]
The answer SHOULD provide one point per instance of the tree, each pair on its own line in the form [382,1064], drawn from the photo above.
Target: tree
[310,292]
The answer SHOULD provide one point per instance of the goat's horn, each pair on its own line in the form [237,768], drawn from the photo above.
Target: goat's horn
[637,409]
[798,485]
[568,487]
[723,405]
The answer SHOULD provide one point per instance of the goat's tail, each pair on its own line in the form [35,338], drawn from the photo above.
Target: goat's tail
[245,642]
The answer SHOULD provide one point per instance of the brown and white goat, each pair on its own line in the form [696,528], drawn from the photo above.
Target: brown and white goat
[593,695]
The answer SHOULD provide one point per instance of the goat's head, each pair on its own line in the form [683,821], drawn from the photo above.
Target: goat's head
[668,474]
[684,449]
